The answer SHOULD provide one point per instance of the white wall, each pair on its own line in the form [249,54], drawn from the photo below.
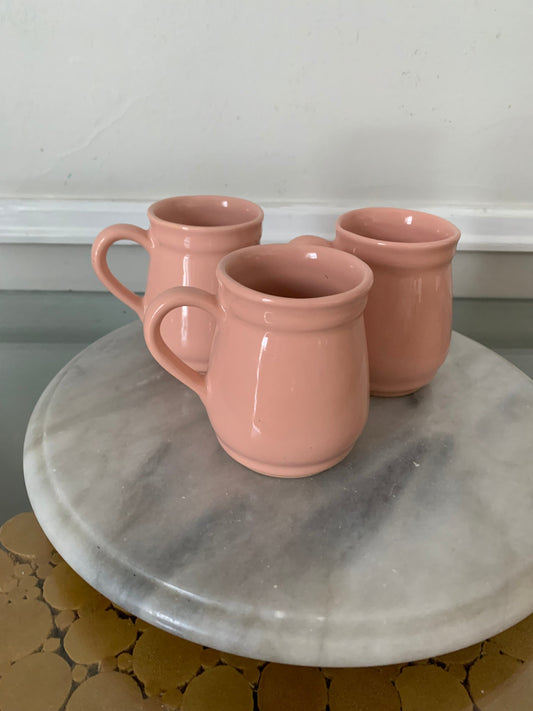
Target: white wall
[311,100]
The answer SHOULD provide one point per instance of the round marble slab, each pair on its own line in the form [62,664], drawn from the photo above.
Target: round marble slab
[419,543]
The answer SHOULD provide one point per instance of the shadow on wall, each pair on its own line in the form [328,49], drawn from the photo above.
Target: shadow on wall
[502,161]
[416,165]
[379,166]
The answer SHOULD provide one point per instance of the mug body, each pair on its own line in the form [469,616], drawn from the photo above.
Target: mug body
[189,236]
[408,318]
[287,386]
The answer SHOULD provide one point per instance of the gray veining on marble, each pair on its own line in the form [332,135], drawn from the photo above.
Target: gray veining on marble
[419,543]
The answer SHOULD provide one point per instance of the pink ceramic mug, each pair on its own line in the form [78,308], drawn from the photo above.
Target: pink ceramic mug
[286,389]
[409,314]
[186,239]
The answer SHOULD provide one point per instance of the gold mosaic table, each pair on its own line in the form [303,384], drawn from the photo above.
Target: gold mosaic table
[63,646]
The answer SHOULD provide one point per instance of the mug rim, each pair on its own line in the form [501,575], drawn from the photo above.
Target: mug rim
[435,244]
[260,297]
[156,219]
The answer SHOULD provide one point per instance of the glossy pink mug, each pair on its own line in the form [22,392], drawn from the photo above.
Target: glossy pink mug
[408,318]
[286,389]
[186,239]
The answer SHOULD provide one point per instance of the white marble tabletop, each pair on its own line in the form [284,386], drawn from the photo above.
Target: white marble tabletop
[420,542]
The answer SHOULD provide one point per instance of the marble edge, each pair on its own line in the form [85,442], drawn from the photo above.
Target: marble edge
[329,651]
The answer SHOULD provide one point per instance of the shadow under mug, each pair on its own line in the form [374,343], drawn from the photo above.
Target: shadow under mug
[186,239]
[286,389]
[408,318]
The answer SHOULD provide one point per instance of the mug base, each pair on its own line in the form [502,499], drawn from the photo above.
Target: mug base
[284,471]
[405,388]
[398,393]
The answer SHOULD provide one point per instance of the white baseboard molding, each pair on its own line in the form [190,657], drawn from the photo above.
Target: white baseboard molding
[45,243]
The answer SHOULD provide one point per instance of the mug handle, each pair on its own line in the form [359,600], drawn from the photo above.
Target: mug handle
[164,303]
[311,241]
[101,244]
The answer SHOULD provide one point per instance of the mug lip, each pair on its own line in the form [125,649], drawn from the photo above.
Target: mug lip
[156,219]
[260,297]
[449,240]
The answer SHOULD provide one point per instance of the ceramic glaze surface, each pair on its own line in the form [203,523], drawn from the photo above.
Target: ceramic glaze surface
[418,543]
[409,315]
[186,239]
[286,389]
